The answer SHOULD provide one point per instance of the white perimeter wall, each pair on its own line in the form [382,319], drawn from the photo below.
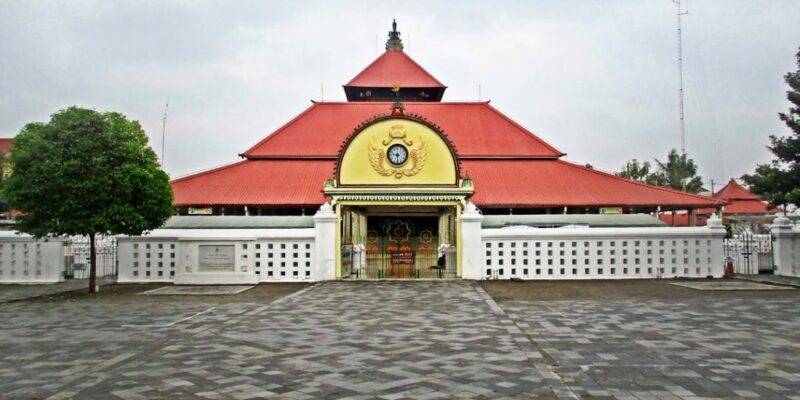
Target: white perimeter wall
[262,255]
[24,259]
[602,253]
[267,255]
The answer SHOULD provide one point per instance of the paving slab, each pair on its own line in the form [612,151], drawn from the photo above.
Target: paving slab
[771,279]
[212,290]
[729,285]
[16,292]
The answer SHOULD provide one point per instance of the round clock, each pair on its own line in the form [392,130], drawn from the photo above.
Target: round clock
[397,154]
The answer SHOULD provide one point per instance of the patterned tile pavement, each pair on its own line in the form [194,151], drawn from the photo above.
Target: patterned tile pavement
[15,292]
[667,350]
[400,340]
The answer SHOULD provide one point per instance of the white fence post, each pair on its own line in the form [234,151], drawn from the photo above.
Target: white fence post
[786,249]
[471,242]
[325,244]
[718,232]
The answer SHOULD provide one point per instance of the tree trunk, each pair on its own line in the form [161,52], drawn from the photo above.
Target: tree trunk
[92,265]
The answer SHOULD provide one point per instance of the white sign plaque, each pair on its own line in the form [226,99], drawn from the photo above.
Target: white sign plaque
[216,258]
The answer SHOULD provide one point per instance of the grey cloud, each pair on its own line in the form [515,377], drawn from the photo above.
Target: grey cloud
[597,80]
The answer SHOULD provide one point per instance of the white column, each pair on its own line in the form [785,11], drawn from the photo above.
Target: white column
[471,242]
[786,247]
[324,244]
[717,229]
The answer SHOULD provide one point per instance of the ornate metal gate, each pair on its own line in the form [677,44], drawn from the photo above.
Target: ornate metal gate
[751,253]
[77,257]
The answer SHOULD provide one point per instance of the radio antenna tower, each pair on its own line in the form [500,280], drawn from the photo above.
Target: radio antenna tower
[680,14]
[164,130]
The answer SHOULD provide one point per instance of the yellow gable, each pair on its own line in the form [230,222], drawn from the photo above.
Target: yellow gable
[397,151]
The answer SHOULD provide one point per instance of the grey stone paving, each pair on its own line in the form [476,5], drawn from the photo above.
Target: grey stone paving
[666,350]
[197,290]
[772,279]
[15,292]
[398,340]
[729,285]
[401,340]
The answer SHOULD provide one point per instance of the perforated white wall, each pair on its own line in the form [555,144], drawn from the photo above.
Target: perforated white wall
[283,260]
[26,260]
[269,255]
[601,253]
[143,259]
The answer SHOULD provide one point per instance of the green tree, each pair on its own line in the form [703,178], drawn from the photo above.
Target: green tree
[3,168]
[677,172]
[636,171]
[779,180]
[86,173]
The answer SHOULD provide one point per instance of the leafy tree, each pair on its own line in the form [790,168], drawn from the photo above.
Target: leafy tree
[3,168]
[633,170]
[86,173]
[677,172]
[779,181]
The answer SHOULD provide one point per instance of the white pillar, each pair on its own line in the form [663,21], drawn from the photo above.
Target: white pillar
[786,247]
[324,244]
[718,232]
[471,242]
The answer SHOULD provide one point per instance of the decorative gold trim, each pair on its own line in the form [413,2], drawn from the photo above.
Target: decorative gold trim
[416,156]
[382,117]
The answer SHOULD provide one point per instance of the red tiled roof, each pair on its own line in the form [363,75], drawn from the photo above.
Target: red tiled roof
[555,183]
[261,182]
[682,219]
[476,129]
[741,201]
[498,183]
[394,67]
[5,145]
[735,191]
[748,207]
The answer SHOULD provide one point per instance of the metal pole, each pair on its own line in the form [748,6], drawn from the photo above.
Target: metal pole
[680,13]
[164,131]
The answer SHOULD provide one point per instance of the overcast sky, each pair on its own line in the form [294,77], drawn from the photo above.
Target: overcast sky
[596,79]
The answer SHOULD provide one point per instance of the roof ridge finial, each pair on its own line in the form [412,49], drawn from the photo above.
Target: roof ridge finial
[394,43]
[398,107]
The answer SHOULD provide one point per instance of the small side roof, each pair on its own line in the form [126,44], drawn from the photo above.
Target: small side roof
[734,191]
[5,145]
[742,201]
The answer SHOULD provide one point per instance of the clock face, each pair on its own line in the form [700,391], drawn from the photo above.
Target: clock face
[397,154]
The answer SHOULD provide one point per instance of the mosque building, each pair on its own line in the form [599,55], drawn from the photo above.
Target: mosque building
[398,164]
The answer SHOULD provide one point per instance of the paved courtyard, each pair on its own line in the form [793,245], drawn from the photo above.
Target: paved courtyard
[402,340]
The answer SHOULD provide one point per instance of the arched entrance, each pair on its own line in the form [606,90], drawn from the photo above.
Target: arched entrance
[398,194]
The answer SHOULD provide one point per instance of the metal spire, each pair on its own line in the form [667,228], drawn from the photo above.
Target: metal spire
[394,43]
